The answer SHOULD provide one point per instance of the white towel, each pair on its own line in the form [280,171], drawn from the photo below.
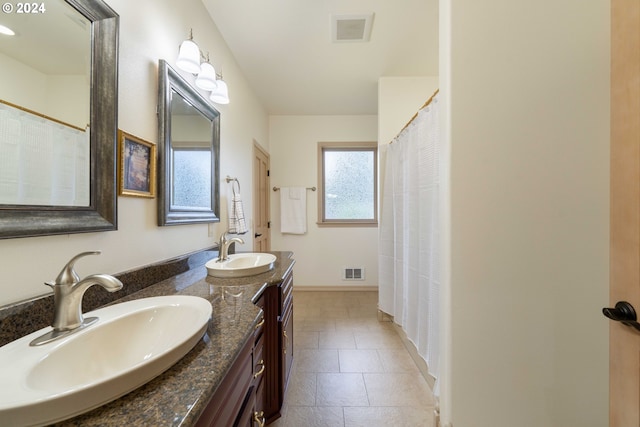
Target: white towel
[293,210]
[237,223]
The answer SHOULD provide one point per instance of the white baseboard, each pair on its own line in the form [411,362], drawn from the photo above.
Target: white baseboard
[411,348]
[302,288]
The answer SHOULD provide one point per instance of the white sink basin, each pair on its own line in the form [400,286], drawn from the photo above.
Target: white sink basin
[240,265]
[131,343]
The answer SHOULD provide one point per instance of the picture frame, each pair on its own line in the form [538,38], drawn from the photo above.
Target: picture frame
[136,166]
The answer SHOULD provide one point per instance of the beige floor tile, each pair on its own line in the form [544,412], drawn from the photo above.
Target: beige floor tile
[318,325]
[358,324]
[388,417]
[321,360]
[363,312]
[336,339]
[349,368]
[341,390]
[382,339]
[304,339]
[302,389]
[397,360]
[398,389]
[323,311]
[305,416]
[360,361]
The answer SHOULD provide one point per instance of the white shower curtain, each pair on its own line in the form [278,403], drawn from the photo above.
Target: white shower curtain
[409,258]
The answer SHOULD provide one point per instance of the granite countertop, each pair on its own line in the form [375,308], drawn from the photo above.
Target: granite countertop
[179,395]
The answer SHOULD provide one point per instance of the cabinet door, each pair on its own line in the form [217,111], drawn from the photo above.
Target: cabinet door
[259,370]
[287,347]
[271,352]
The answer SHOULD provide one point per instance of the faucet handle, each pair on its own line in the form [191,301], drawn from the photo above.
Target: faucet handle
[68,276]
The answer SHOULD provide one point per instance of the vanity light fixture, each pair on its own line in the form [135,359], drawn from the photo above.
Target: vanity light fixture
[220,94]
[6,31]
[191,60]
[207,78]
[189,56]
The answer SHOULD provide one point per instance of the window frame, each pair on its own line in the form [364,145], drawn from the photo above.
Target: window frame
[346,146]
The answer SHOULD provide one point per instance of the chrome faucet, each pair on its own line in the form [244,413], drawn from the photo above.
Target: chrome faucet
[223,246]
[68,291]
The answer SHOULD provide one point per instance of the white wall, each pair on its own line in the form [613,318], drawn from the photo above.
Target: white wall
[399,98]
[294,162]
[527,85]
[149,30]
[68,99]
[63,97]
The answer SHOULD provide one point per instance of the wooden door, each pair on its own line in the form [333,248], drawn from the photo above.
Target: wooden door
[262,238]
[624,369]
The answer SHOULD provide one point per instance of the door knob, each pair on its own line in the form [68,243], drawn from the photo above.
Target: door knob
[257,235]
[623,312]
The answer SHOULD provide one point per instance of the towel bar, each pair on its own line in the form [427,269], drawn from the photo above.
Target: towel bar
[308,188]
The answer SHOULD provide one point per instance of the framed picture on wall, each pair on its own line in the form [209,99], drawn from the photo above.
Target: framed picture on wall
[137,166]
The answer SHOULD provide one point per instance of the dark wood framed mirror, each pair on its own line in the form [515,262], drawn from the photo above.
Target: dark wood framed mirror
[99,213]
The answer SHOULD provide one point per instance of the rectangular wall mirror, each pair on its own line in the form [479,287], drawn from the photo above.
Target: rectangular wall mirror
[58,120]
[188,153]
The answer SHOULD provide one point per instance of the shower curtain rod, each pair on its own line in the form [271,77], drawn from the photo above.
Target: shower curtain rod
[426,104]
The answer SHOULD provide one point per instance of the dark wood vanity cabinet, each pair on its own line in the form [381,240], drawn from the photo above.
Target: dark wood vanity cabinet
[252,393]
[239,399]
[229,403]
[285,326]
[278,344]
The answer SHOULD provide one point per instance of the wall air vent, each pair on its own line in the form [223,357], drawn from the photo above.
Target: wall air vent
[353,273]
[351,28]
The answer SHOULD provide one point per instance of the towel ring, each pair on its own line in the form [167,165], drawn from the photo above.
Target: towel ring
[233,186]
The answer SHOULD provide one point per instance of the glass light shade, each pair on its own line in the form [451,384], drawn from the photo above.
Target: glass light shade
[221,93]
[189,57]
[207,78]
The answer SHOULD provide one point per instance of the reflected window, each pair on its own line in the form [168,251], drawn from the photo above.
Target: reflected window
[191,179]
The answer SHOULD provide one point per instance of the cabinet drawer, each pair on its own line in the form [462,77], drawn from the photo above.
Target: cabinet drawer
[259,365]
[286,290]
[226,403]
[287,308]
[258,331]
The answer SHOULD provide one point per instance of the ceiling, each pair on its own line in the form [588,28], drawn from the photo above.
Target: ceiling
[56,41]
[285,50]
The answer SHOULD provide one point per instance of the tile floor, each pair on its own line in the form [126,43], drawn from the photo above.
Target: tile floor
[350,369]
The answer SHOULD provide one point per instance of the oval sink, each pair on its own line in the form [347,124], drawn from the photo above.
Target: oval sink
[240,265]
[130,344]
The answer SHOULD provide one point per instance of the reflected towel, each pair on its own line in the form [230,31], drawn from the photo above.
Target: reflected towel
[237,223]
[293,210]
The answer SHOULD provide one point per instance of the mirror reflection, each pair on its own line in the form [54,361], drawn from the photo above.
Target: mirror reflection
[65,81]
[188,153]
[191,151]
[45,83]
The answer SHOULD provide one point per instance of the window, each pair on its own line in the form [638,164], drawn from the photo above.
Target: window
[348,184]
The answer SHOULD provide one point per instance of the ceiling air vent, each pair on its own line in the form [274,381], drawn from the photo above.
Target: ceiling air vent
[351,28]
